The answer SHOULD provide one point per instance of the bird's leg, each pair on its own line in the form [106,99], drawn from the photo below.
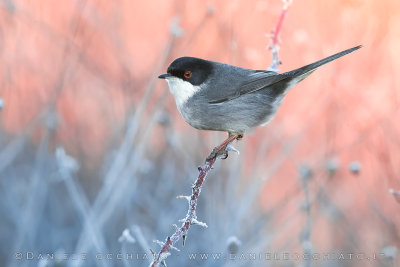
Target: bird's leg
[221,150]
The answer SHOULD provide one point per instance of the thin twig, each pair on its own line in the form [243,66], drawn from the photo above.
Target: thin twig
[305,176]
[275,37]
[191,217]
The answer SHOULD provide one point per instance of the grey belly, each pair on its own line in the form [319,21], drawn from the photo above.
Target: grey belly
[235,116]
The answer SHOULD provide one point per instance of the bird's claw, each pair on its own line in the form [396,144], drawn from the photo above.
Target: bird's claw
[222,150]
[222,153]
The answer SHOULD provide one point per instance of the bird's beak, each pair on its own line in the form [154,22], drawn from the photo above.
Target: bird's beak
[164,76]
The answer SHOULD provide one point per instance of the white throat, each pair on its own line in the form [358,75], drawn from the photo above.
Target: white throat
[181,90]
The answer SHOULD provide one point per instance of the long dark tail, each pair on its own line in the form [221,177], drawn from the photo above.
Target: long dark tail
[286,81]
[280,84]
[303,72]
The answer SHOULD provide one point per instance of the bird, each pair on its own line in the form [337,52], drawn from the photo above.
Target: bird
[210,95]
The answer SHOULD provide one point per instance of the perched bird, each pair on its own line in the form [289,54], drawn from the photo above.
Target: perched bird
[220,97]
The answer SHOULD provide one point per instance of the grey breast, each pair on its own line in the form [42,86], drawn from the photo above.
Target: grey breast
[237,115]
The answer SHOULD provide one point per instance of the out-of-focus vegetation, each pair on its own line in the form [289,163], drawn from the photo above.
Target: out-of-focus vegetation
[91,143]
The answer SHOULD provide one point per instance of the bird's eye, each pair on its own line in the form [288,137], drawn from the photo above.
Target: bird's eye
[187,74]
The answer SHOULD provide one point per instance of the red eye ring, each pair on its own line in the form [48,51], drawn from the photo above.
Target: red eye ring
[187,74]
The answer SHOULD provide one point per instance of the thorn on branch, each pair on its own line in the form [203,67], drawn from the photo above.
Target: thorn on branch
[199,223]
[169,243]
[154,254]
[159,242]
[184,197]
[162,256]
[175,248]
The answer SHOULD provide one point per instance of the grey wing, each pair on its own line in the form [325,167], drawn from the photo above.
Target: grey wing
[255,81]
[259,80]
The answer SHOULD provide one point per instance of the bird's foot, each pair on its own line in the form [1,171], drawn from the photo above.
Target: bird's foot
[223,153]
[222,150]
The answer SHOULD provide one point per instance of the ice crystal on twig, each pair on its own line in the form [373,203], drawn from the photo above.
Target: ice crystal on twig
[184,197]
[163,244]
[199,223]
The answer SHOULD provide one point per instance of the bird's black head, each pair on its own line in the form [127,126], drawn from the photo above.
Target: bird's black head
[190,69]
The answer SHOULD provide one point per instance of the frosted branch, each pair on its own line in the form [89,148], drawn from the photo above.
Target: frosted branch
[191,217]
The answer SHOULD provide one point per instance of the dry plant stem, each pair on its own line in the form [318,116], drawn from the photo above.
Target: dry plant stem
[306,232]
[275,37]
[191,217]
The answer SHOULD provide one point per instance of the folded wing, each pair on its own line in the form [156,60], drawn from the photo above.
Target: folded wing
[264,79]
